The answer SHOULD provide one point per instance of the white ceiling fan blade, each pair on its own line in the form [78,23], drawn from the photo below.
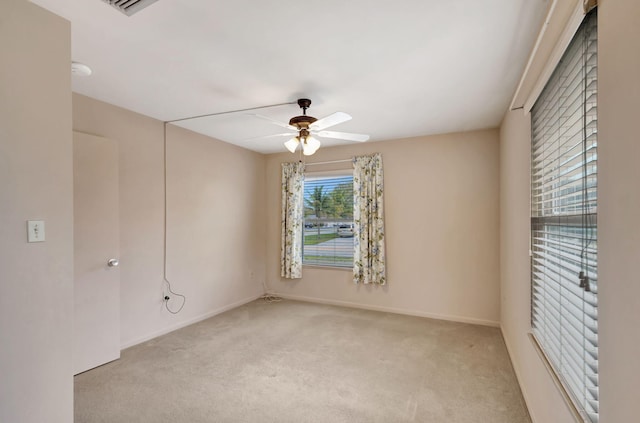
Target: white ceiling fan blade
[275,122]
[343,136]
[287,134]
[327,121]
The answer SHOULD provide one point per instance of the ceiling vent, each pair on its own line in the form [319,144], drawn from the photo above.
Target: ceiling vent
[129,7]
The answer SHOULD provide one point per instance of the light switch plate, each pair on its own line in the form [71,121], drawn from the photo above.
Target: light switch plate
[35,230]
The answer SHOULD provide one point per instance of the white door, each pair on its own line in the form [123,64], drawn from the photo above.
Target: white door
[96,328]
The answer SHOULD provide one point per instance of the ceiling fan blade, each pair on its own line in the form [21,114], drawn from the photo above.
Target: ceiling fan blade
[327,121]
[275,122]
[343,136]
[288,134]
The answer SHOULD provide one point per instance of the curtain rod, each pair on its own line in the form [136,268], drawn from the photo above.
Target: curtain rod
[328,162]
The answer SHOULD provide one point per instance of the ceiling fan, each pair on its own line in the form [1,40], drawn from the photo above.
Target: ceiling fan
[305,126]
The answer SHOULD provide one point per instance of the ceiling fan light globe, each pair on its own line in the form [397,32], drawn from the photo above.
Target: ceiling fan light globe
[310,146]
[292,144]
[313,143]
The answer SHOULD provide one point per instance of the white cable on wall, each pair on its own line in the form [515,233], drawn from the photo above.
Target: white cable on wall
[167,298]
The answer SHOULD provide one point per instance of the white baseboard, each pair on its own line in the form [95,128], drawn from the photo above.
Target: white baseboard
[391,310]
[189,322]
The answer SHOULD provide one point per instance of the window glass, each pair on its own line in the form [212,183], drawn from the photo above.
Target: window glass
[328,220]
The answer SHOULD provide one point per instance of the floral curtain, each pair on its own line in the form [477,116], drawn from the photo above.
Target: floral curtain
[368,217]
[292,216]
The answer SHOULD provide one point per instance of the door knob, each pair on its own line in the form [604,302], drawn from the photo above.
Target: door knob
[113,263]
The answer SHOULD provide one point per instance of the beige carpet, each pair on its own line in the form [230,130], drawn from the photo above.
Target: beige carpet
[300,362]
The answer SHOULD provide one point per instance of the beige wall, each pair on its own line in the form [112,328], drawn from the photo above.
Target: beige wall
[441,205]
[36,280]
[619,208]
[618,232]
[215,224]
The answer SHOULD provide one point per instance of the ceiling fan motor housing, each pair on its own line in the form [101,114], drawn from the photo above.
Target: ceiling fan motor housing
[302,122]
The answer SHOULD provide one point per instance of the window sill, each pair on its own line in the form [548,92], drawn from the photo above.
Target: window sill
[568,398]
[315,266]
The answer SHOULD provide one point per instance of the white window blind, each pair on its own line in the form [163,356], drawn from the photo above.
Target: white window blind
[328,220]
[564,300]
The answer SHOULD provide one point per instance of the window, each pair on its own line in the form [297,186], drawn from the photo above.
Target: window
[328,220]
[564,283]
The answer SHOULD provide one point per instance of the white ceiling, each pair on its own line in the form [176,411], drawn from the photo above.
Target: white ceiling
[403,68]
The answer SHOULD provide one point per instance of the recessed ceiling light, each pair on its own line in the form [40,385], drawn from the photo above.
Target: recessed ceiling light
[80,69]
